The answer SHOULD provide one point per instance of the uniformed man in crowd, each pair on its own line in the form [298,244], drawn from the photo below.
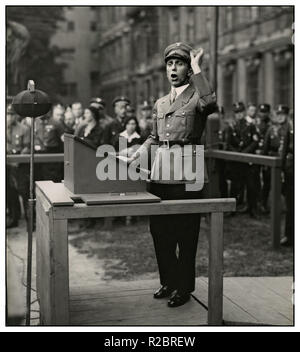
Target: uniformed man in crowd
[145,120]
[279,142]
[234,170]
[244,138]
[263,122]
[17,176]
[179,118]
[115,127]
[221,164]
[100,104]
[48,139]
[289,181]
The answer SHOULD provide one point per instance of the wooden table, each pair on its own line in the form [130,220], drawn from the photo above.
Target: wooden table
[54,208]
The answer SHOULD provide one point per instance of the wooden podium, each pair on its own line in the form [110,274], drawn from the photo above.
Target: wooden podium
[80,178]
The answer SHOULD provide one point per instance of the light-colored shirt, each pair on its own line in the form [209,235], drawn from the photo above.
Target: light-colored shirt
[179,90]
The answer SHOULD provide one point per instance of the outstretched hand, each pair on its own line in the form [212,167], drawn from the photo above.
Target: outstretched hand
[196,59]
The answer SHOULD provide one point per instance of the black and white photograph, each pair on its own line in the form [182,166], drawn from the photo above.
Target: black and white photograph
[149,167]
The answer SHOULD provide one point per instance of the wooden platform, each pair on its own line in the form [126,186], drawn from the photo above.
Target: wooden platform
[247,301]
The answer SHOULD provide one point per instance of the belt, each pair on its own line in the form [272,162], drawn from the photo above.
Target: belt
[166,143]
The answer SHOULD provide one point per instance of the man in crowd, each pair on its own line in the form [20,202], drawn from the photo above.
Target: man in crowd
[145,121]
[113,129]
[263,123]
[77,111]
[100,104]
[244,138]
[49,140]
[17,176]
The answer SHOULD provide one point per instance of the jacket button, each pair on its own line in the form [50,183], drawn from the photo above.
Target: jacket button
[167,134]
[168,125]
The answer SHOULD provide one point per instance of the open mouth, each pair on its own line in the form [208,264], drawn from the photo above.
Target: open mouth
[174,77]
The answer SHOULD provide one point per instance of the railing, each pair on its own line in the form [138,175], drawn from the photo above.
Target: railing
[273,162]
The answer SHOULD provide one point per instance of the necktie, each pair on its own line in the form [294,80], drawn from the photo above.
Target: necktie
[173,95]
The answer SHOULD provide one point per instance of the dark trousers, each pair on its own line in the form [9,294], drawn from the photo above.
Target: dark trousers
[12,197]
[266,176]
[175,240]
[235,173]
[252,177]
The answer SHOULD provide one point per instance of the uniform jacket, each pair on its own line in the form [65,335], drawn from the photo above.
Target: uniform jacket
[48,135]
[18,139]
[242,137]
[276,140]
[184,120]
[111,132]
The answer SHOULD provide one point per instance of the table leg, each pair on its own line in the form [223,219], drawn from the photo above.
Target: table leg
[52,268]
[215,280]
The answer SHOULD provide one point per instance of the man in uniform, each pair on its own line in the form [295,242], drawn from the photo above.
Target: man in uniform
[100,104]
[244,139]
[48,139]
[234,169]
[145,120]
[112,130]
[17,177]
[263,123]
[279,142]
[179,118]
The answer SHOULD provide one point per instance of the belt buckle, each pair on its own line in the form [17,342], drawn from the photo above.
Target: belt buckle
[166,143]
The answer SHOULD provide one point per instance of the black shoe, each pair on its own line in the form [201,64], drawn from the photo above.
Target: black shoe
[178,300]
[285,242]
[163,292]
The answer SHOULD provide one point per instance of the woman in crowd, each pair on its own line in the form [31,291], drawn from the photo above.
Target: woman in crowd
[132,136]
[91,131]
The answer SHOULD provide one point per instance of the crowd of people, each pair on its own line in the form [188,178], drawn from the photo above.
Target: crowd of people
[262,131]
[91,123]
[247,129]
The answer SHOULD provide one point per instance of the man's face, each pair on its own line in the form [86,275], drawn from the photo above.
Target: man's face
[239,115]
[177,72]
[58,114]
[251,111]
[77,110]
[120,109]
[69,119]
[147,113]
[280,118]
[264,116]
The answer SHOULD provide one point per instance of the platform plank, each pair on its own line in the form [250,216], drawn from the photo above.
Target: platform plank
[133,308]
[247,301]
[56,193]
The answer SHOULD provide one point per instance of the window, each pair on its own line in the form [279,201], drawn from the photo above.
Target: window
[69,89]
[283,83]
[228,18]
[94,77]
[228,85]
[70,26]
[252,84]
[190,26]
[93,26]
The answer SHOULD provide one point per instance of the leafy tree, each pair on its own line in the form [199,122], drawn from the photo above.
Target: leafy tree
[39,60]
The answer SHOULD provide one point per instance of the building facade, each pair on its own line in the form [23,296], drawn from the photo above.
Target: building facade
[77,38]
[255,51]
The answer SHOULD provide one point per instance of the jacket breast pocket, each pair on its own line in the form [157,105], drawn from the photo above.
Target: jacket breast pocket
[184,122]
[160,123]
